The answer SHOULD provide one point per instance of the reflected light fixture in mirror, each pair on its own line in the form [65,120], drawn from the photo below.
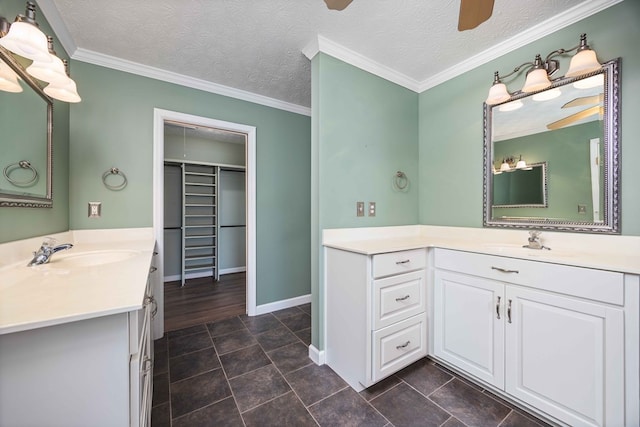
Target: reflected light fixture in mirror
[583,62]
[24,38]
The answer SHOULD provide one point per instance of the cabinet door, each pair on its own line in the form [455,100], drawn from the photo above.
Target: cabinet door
[468,324]
[566,357]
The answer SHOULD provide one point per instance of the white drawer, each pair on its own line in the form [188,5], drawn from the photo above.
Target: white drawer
[399,345]
[399,262]
[598,285]
[398,297]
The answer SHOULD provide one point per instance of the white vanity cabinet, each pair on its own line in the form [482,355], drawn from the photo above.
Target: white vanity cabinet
[376,313]
[550,336]
[90,372]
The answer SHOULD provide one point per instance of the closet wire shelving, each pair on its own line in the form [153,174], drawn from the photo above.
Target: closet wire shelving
[199,220]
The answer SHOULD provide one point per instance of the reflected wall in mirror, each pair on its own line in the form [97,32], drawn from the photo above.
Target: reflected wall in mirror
[26,128]
[572,127]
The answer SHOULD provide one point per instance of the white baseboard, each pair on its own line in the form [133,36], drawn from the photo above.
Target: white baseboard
[316,355]
[285,303]
[232,270]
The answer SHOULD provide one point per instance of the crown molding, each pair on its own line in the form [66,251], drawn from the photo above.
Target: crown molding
[58,26]
[112,62]
[326,46]
[538,31]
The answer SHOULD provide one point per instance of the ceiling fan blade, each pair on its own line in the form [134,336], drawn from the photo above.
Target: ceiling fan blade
[575,117]
[337,4]
[585,100]
[474,13]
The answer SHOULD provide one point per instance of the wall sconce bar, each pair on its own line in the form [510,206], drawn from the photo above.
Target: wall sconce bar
[583,62]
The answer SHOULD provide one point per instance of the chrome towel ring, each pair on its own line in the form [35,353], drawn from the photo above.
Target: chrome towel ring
[400,181]
[22,164]
[114,171]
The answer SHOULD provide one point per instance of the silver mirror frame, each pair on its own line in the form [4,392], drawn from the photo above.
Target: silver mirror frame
[611,223]
[32,201]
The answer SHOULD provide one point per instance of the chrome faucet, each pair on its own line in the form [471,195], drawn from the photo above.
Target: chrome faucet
[534,241]
[48,248]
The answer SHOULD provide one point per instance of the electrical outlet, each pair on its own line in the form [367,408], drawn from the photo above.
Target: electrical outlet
[359,208]
[582,209]
[372,208]
[95,209]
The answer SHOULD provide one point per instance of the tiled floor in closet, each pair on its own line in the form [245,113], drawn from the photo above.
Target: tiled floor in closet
[255,371]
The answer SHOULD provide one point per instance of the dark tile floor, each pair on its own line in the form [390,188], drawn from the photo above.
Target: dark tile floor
[255,371]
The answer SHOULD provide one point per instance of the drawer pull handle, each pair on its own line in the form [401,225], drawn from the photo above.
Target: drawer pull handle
[498,309]
[504,270]
[509,312]
[406,261]
[405,345]
[406,297]
[153,269]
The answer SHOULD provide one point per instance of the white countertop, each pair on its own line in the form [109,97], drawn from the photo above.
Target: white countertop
[54,293]
[613,253]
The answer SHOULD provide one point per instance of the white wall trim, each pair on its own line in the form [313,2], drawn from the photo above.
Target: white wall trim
[232,270]
[317,356]
[282,304]
[114,63]
[159,117]
[324,45]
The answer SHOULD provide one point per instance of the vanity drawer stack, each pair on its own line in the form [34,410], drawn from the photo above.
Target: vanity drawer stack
[376,313]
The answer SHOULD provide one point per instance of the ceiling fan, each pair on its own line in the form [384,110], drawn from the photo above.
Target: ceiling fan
[472,12]
[583,114]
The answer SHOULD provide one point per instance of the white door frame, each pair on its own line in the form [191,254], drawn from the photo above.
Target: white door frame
[159,117]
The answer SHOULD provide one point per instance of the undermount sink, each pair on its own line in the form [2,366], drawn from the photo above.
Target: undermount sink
[90,258]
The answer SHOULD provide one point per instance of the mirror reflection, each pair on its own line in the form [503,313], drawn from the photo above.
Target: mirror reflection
[25,147]
[571,129]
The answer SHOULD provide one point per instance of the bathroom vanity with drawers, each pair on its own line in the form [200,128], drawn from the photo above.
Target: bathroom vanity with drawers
[556,333]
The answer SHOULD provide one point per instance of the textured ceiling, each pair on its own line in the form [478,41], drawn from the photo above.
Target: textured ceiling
[255,45]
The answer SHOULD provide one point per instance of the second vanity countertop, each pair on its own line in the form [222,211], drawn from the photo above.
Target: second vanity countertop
[64,290]
[612,253]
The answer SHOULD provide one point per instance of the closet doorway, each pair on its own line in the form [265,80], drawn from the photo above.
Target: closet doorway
[204,219]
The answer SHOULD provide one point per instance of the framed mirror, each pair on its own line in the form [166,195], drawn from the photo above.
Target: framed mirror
[572,129]
[26,124]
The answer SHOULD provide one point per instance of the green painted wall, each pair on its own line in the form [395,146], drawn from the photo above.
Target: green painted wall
[366,130]
[451,128]
[113,126]
[21,223]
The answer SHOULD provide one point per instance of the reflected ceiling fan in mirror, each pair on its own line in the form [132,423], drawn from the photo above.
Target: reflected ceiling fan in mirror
[583,114]
[472,12]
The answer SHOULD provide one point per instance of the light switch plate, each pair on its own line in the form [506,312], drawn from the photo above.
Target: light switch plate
[359,208]
[372,208]
[95,209]
[582,209]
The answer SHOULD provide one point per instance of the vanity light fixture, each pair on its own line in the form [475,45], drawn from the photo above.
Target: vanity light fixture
[25,39]
[51,71]
[583,62]
[8,79]
[509,164]
[63,90]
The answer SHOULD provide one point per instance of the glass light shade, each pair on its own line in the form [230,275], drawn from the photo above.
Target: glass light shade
[8,79]
[511,106]
[583,62]
[497,94]
[504,167]
[63,91]
[547,95]
[521,164]
[50,72]
[537,79]
[28,41]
